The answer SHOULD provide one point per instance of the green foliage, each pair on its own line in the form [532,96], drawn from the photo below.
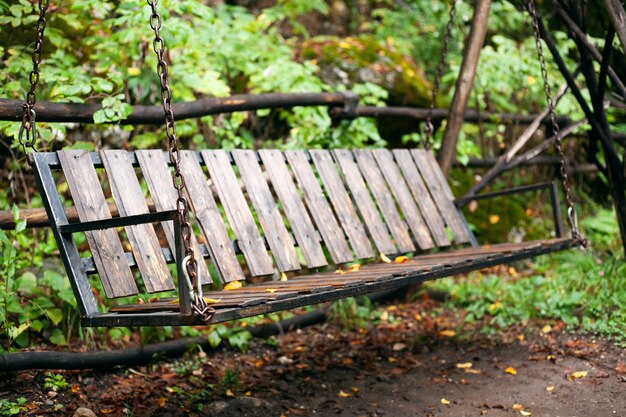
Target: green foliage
[13,408]
[236,337]
[583,288]
[54,382]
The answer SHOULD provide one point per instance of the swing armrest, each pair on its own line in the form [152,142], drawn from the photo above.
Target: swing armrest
[160,216]
[550,186]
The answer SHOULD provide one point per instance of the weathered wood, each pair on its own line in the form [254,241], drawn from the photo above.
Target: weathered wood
[364,203]
[464,83]
[441,193]
[301,225]
[105,245]
[424,200]
[342,204]
[210,220]
[143,240]
[387,206]
[155,170]
[238,212]
[409,209]
[277,235]
[319,207]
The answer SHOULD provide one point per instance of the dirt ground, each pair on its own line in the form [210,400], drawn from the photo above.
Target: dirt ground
[410,363]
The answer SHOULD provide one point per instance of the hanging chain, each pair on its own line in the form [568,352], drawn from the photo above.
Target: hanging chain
[428,128]
[190,263]
[572,218]
[28,131]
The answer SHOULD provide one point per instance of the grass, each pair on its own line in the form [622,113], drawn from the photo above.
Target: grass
[584,288]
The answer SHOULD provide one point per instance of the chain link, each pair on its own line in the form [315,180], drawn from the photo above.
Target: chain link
[28,131]
[199,305]
[428,128]
[572,218]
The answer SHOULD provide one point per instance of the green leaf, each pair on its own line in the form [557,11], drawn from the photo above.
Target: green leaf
[214,339]
[58,338]
[55,315]
[26,283]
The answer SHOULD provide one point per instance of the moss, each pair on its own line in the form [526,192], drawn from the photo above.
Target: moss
[362,59]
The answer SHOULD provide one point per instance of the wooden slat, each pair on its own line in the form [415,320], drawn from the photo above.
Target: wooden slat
[439,189]
[342,204]
[158,176]
[211,222]
[384,197]
[142,237]
[296,213]
[319,207]
[276,233]
[422,197]
[375,224]
[400,190]
[238,212]
[105,245]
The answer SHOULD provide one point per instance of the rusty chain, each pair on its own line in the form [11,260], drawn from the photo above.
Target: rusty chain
[572,218]
[28,131]
[194,280]
[428,127]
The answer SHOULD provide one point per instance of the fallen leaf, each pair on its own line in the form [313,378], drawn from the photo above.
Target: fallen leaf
[401,259]
[384,258]
[473,205]
[517,407]
[546,329]
[621,368]
[525,413]
[270,290]
[340,271]
[418,317]
[211,300]
[384,316]
[577,375]
[283,276]
[445,402]
[511,370]
[473,371]
[447,333]
[391,359]
[233,285]
[494,218]
[75,388]
[512,271]
[229,393]
[398,347]
[162,402]
[521,337]
[354,268]
[550,388]
[355,389]
[248,393]
[464,365]
[343,394]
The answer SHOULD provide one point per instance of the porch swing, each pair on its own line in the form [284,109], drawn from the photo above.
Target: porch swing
[298,218]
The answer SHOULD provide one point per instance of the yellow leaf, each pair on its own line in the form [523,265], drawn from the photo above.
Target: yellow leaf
[525,413]
[473,371]
[418,317]
[283,276]
[355,389]
[511,370]
[354,268]
[521,337]
[233,285]
[576,375]
[550,388]
[384,316]
[248,393]
[229,393]
[270,290]
[134,71]
[447,333]
[340,271]
[531,80]
[384,258]
[343,394]
[546,329]
[495,306]
[517,407]
[391,359]
[211,300]
[464,365]
[445,402]
[401,259]
[162,402]
[494,218]
[512,271]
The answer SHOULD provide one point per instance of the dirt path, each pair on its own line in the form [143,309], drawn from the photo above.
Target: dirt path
[408,364]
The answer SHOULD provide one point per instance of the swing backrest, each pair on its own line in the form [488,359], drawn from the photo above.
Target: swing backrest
[259,213]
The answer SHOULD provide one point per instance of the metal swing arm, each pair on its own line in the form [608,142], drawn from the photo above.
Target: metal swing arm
[551,186]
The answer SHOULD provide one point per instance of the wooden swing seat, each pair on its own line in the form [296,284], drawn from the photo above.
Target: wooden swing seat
[261,216]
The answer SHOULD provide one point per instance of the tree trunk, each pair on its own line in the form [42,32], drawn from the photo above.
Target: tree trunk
[464,83]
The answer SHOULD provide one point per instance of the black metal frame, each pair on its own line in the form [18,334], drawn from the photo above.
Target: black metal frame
[79,268]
